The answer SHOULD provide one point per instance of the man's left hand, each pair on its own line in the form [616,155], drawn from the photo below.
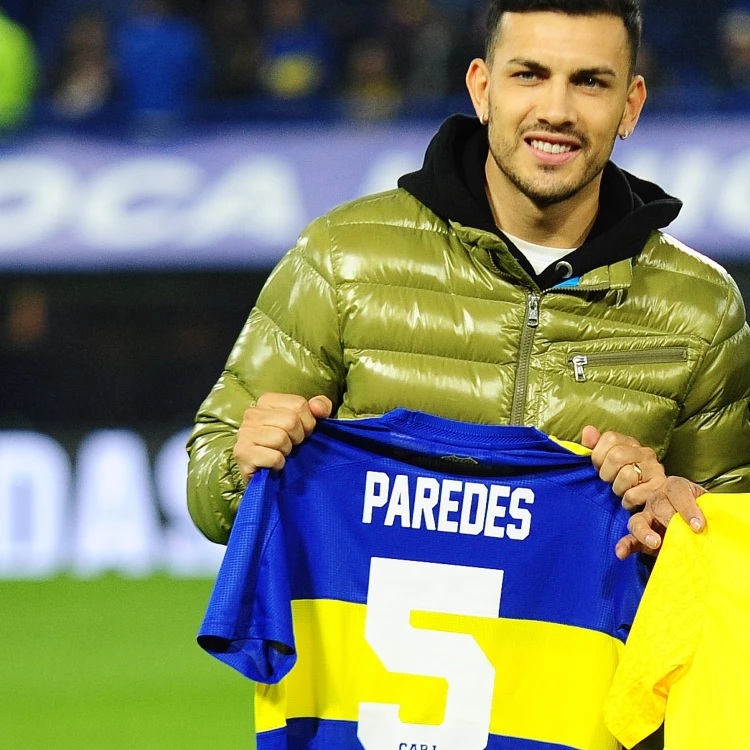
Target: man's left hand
[640,480]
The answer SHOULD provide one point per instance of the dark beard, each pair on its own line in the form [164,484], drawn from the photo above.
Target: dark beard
[545,197]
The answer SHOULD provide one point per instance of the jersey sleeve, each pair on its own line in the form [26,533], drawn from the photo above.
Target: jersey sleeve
[248,622]
[664,637]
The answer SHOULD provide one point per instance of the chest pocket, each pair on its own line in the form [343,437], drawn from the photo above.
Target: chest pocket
[586,365]
[635,385]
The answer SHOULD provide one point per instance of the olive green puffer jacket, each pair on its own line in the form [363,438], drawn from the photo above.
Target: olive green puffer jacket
[383,304]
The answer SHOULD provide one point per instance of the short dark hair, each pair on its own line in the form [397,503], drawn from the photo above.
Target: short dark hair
[628,10]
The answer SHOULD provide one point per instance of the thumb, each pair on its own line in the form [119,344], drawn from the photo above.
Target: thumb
[590,437]
[321,406]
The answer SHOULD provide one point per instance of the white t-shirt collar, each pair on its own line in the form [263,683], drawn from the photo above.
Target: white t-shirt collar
[539,256]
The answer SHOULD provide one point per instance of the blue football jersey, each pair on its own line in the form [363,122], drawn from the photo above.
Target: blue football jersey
[413,583]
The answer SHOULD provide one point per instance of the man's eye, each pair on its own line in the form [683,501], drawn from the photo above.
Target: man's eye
[526,75]
[591,83]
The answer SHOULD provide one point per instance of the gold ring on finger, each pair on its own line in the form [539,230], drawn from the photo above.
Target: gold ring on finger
[638,471]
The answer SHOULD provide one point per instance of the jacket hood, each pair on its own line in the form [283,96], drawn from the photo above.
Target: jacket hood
[451,183]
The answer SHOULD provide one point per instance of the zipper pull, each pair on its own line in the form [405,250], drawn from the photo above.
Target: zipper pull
[533,318]
[579,362]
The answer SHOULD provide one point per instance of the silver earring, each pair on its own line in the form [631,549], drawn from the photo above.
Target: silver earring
[624,136]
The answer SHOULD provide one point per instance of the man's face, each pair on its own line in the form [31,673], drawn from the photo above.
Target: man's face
[558,86]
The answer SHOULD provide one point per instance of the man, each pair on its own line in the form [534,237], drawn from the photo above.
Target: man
[518,278]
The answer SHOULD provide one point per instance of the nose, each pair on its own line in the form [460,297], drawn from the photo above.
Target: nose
[555,105]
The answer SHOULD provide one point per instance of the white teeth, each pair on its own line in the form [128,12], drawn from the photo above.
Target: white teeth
[551,148]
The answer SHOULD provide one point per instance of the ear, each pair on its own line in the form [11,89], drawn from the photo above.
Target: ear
[478,84]
[634,105]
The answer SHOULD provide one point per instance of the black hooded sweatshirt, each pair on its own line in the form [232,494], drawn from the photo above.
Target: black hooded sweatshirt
[451,183]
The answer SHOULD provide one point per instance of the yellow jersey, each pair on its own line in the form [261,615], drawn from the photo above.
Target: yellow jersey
[687,659]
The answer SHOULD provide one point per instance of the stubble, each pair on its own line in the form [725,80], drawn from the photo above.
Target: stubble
[544,185]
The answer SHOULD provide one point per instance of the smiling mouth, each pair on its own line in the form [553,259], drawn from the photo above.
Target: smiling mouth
[552,153]
[552,148]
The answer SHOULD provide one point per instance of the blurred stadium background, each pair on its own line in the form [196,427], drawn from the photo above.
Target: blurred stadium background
[156,159]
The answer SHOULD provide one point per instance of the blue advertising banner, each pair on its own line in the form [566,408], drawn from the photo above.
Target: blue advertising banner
[238,197]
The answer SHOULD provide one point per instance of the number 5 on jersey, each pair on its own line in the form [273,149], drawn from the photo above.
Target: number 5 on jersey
[396,589]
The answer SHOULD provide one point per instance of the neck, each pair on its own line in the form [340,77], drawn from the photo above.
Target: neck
[564,224]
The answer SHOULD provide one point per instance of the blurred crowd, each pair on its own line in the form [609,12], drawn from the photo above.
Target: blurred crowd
[161,61]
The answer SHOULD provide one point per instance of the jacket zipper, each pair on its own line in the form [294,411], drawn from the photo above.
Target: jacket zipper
[579,362]
[524,358]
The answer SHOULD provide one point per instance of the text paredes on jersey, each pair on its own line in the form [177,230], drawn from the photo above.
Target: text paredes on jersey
[448,505]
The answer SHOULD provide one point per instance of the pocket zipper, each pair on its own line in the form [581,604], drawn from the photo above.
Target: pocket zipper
[579,362]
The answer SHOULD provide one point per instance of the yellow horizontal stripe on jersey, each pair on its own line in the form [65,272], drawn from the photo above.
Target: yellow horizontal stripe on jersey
[551,680]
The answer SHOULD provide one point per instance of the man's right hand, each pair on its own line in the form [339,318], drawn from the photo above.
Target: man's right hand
[272,427]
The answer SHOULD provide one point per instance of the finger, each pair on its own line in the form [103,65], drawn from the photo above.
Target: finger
[608,442]
[629,545]
[258,420]
[262,447]
[678,495]
[623,457]
[641,528]
[286,402]
[269,436]
[632,475]
[288,420]
[260,458]
[590,436]
[636,497]
[321,407]
[289,401]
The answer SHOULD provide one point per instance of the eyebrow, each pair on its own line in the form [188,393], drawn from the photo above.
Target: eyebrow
[539,68]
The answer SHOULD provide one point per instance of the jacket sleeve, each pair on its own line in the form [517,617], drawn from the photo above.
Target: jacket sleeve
[711,442]
[289,344]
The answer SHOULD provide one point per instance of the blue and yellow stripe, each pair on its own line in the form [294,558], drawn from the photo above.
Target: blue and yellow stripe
[551,679]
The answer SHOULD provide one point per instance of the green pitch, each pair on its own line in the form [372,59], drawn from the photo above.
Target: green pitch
[112,664]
